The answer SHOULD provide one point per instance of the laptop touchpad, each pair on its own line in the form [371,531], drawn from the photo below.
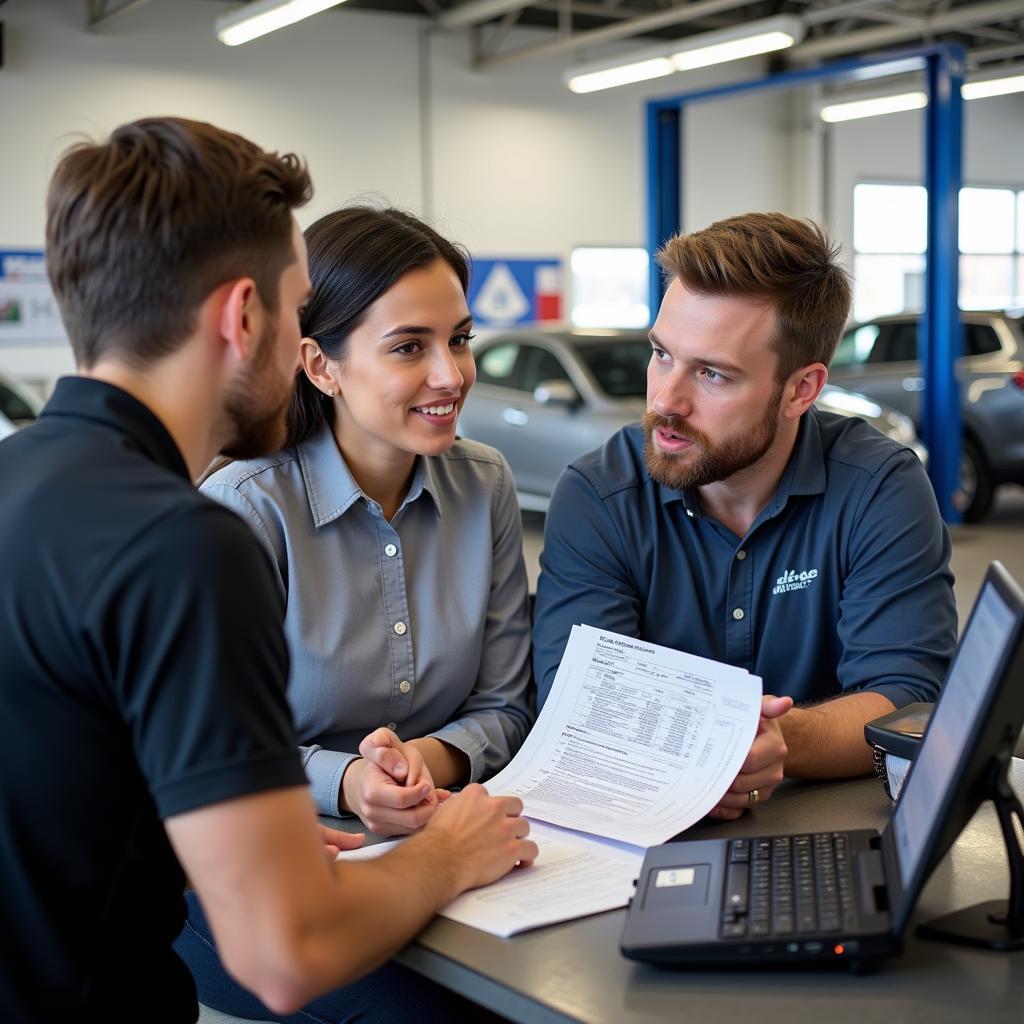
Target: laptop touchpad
[681,885]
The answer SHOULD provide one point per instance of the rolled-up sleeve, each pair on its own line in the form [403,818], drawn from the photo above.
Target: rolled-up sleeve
[897,616]
[491,724]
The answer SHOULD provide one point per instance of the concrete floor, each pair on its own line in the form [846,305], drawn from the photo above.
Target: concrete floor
[1000,536]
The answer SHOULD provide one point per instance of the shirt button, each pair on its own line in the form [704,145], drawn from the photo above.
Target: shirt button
[400,628]
[392,726]
[737,613]
[391,551]
[740,555]
[404,686]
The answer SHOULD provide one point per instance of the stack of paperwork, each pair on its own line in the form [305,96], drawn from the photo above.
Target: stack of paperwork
[635,744]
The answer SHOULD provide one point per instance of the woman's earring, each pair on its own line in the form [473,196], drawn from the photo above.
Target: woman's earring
[330,392]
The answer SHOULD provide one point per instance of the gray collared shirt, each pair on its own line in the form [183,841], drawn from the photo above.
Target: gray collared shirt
[420,624]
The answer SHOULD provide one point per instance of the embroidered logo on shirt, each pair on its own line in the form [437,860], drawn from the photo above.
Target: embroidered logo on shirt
[793,580]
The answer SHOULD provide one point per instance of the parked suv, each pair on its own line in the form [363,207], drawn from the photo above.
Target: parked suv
[880,359]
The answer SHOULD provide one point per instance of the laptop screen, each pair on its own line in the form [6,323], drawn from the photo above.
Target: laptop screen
[953,723]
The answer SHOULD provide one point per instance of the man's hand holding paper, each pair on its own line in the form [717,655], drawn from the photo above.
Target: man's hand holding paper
[762,770]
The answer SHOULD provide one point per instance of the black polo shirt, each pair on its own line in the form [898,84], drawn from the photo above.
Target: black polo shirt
[142,675]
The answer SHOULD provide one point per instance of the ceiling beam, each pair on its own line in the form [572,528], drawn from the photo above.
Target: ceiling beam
[622,30]
[473,12]
[822,15]
[595,10]
[872,38]
[99,12]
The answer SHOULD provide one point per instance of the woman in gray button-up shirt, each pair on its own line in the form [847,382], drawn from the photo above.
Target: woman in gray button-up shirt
[399,547]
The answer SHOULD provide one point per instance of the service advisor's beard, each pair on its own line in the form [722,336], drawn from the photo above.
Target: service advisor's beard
[256,405]
[707,463]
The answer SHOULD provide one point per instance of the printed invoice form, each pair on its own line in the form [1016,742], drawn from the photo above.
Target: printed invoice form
[635,743]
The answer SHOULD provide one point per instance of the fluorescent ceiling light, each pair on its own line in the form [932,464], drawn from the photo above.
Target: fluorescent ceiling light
[873,107]
[734,44]
[622,74]
[262,16]
[992,87]
[994,82]
[684,54]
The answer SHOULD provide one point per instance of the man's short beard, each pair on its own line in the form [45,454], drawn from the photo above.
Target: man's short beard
[257,404]
[710,463]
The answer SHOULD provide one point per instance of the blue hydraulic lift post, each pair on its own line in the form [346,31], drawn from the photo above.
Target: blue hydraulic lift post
[664,185]
[941,337]
[943,65]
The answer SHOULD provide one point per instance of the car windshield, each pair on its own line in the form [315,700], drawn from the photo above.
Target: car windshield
[619,367]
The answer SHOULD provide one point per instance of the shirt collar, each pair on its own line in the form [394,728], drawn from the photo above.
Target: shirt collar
[96,400]
[807,461]
[425,480]
[804,473]
[331,488]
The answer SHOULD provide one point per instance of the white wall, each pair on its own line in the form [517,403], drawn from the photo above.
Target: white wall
[508,161]
[340,91]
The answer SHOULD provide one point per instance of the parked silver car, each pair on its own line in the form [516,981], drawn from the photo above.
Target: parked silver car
[879,358]
[545,397]
[18,406]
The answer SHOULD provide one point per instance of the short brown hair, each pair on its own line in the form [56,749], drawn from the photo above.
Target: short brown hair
[142,228]
[787,261]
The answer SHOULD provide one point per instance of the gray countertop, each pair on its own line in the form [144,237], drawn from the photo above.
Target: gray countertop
[574,972]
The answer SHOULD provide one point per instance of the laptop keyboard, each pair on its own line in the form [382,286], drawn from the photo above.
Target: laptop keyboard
[787,886]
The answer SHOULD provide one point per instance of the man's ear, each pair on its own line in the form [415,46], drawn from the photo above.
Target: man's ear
[802,388]
[241,317]
[314,363]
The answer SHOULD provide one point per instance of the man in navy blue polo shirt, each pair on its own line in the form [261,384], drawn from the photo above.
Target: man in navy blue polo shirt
[739,523]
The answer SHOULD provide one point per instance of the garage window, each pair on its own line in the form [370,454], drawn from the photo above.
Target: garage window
[890,236]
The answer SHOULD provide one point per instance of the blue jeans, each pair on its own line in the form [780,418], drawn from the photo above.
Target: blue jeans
[391,993]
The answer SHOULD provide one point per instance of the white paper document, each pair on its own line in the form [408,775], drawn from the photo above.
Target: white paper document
[636,742]
[573,876]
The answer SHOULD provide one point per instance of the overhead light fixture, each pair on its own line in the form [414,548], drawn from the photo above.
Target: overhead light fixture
[982,84]
[994,83]
[256,19]
[686,54]
[736,43]
[873,107]
[582,80]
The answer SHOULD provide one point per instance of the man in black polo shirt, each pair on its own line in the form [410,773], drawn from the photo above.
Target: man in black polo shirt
[143,719]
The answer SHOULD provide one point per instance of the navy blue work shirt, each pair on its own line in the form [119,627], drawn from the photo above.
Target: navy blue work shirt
[842,583]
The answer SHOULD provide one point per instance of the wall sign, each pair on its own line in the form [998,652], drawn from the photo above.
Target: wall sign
[28,309]
[506,293]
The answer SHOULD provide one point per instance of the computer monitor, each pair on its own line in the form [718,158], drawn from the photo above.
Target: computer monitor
[972,730]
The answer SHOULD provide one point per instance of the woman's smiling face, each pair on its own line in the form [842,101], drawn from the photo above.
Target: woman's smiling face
[407,367]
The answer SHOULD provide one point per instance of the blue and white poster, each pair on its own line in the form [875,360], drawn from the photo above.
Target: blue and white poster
[515,292]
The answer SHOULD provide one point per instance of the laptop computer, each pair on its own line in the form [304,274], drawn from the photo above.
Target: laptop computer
[846,897]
